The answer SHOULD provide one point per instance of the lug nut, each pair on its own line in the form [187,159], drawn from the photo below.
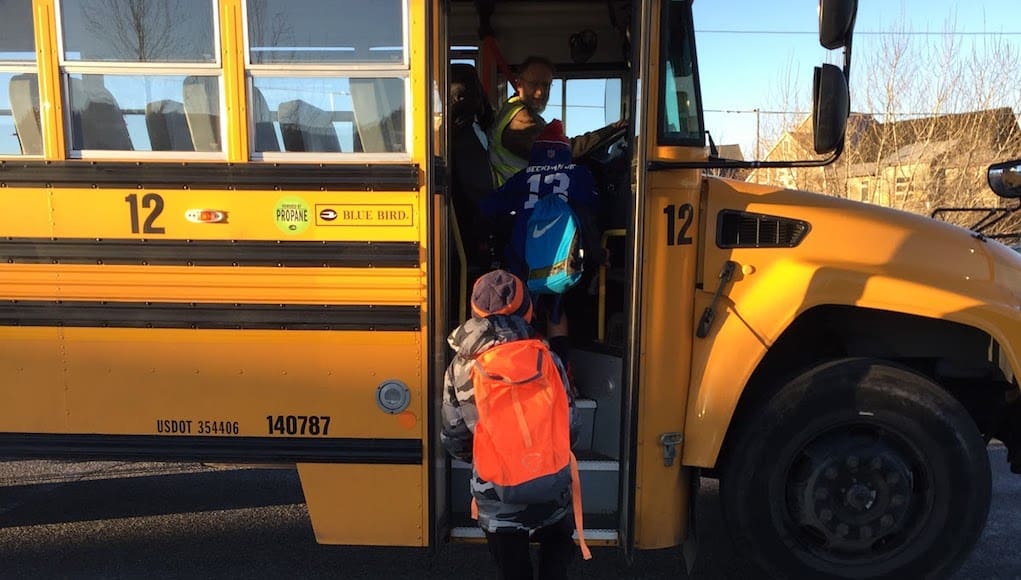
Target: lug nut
[886,521]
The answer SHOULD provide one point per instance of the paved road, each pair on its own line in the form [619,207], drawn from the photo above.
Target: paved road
[133,520]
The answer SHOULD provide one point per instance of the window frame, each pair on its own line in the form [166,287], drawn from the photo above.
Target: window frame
[397,70]
[16,67]
[212,69]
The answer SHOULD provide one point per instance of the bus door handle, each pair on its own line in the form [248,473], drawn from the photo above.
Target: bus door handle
[670,441]
[709,314]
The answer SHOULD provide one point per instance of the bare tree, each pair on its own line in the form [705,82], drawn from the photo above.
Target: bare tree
[147,31]
[267,30]
[934,116]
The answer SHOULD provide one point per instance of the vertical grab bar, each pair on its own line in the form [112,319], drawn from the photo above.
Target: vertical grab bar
[601,329]
[462,303]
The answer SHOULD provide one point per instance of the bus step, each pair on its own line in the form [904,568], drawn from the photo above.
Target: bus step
[593,536]
[584,465]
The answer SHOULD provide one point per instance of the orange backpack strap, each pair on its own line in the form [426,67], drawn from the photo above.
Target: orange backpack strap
[579,525]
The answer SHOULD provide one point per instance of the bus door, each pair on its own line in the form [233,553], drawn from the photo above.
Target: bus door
[220,247]
[592,87]
[667,234]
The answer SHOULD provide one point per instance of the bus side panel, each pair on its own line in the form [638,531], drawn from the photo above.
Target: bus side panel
[327,380]
[365,505]
[163,213]
[31,380]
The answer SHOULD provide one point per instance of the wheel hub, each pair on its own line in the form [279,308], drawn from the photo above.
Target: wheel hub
[851,496]
[860,497]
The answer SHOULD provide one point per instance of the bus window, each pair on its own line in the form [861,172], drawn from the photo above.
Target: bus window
[125,31]
[20,131]
[141,76]
[133,112]
[329,114]
[591,104]
[583,104]
[328,78]
[680,120]
[326,31]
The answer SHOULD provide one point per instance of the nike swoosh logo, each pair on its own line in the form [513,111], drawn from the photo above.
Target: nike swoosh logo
[538,232]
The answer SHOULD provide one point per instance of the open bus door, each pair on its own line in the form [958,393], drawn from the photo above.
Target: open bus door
[598,360]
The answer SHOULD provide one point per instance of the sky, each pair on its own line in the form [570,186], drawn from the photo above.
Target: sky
[745,71]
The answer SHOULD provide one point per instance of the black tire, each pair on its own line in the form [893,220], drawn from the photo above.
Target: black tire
[857,469]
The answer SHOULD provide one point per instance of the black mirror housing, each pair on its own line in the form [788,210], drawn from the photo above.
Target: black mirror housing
[831,105]
[836,22]
[1005,178]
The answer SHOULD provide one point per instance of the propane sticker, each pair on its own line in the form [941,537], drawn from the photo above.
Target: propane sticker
[292,215]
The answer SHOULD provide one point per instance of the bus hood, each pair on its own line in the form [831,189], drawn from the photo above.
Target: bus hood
[861,254]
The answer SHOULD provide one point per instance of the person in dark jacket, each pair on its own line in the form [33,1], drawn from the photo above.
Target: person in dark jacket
[550,171]
[470,116]
[501,312]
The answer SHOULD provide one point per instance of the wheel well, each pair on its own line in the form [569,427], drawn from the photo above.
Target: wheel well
[959,358]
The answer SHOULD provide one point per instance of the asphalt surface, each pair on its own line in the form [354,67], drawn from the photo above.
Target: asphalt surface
[154,520]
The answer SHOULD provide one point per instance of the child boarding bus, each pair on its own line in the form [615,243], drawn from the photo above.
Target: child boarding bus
[227,234]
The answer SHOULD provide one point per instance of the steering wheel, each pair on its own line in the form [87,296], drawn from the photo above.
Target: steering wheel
[610,147]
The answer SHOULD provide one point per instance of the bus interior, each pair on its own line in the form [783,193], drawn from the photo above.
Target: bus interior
[590,44]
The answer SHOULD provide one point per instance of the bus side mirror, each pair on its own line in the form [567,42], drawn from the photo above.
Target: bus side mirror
[836,22]
[1005,178]
[831,105]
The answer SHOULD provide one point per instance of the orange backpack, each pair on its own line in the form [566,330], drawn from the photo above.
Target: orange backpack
[523,436]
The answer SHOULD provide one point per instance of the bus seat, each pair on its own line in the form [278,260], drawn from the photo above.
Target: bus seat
[24,95]
[96,118]
[265,134]
[379,114]
[168,129]
[202,111]
[306,127]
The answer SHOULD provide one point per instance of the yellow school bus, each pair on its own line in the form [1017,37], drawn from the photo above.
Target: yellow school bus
[227,233]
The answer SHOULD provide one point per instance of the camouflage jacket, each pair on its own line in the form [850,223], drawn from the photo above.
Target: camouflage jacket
[460,416]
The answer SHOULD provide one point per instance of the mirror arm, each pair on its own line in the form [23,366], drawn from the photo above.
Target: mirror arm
[847,61]
[719,163]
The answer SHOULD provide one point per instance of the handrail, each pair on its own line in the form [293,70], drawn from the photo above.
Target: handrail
[601,329]
[462,302]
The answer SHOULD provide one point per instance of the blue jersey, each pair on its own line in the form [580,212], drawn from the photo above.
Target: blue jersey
[550,171]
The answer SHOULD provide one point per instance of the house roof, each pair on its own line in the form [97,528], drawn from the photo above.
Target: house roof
[981,128]
[869,141]
[732,151]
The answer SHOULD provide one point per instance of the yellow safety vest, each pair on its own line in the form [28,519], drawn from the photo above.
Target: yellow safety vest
[504,163]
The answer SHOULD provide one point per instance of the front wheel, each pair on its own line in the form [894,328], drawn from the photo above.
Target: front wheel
[857,469]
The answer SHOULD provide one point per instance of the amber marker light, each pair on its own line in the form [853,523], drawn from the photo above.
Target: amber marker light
[206,216]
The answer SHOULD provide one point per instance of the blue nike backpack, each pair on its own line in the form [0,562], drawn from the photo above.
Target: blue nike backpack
[552,247]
